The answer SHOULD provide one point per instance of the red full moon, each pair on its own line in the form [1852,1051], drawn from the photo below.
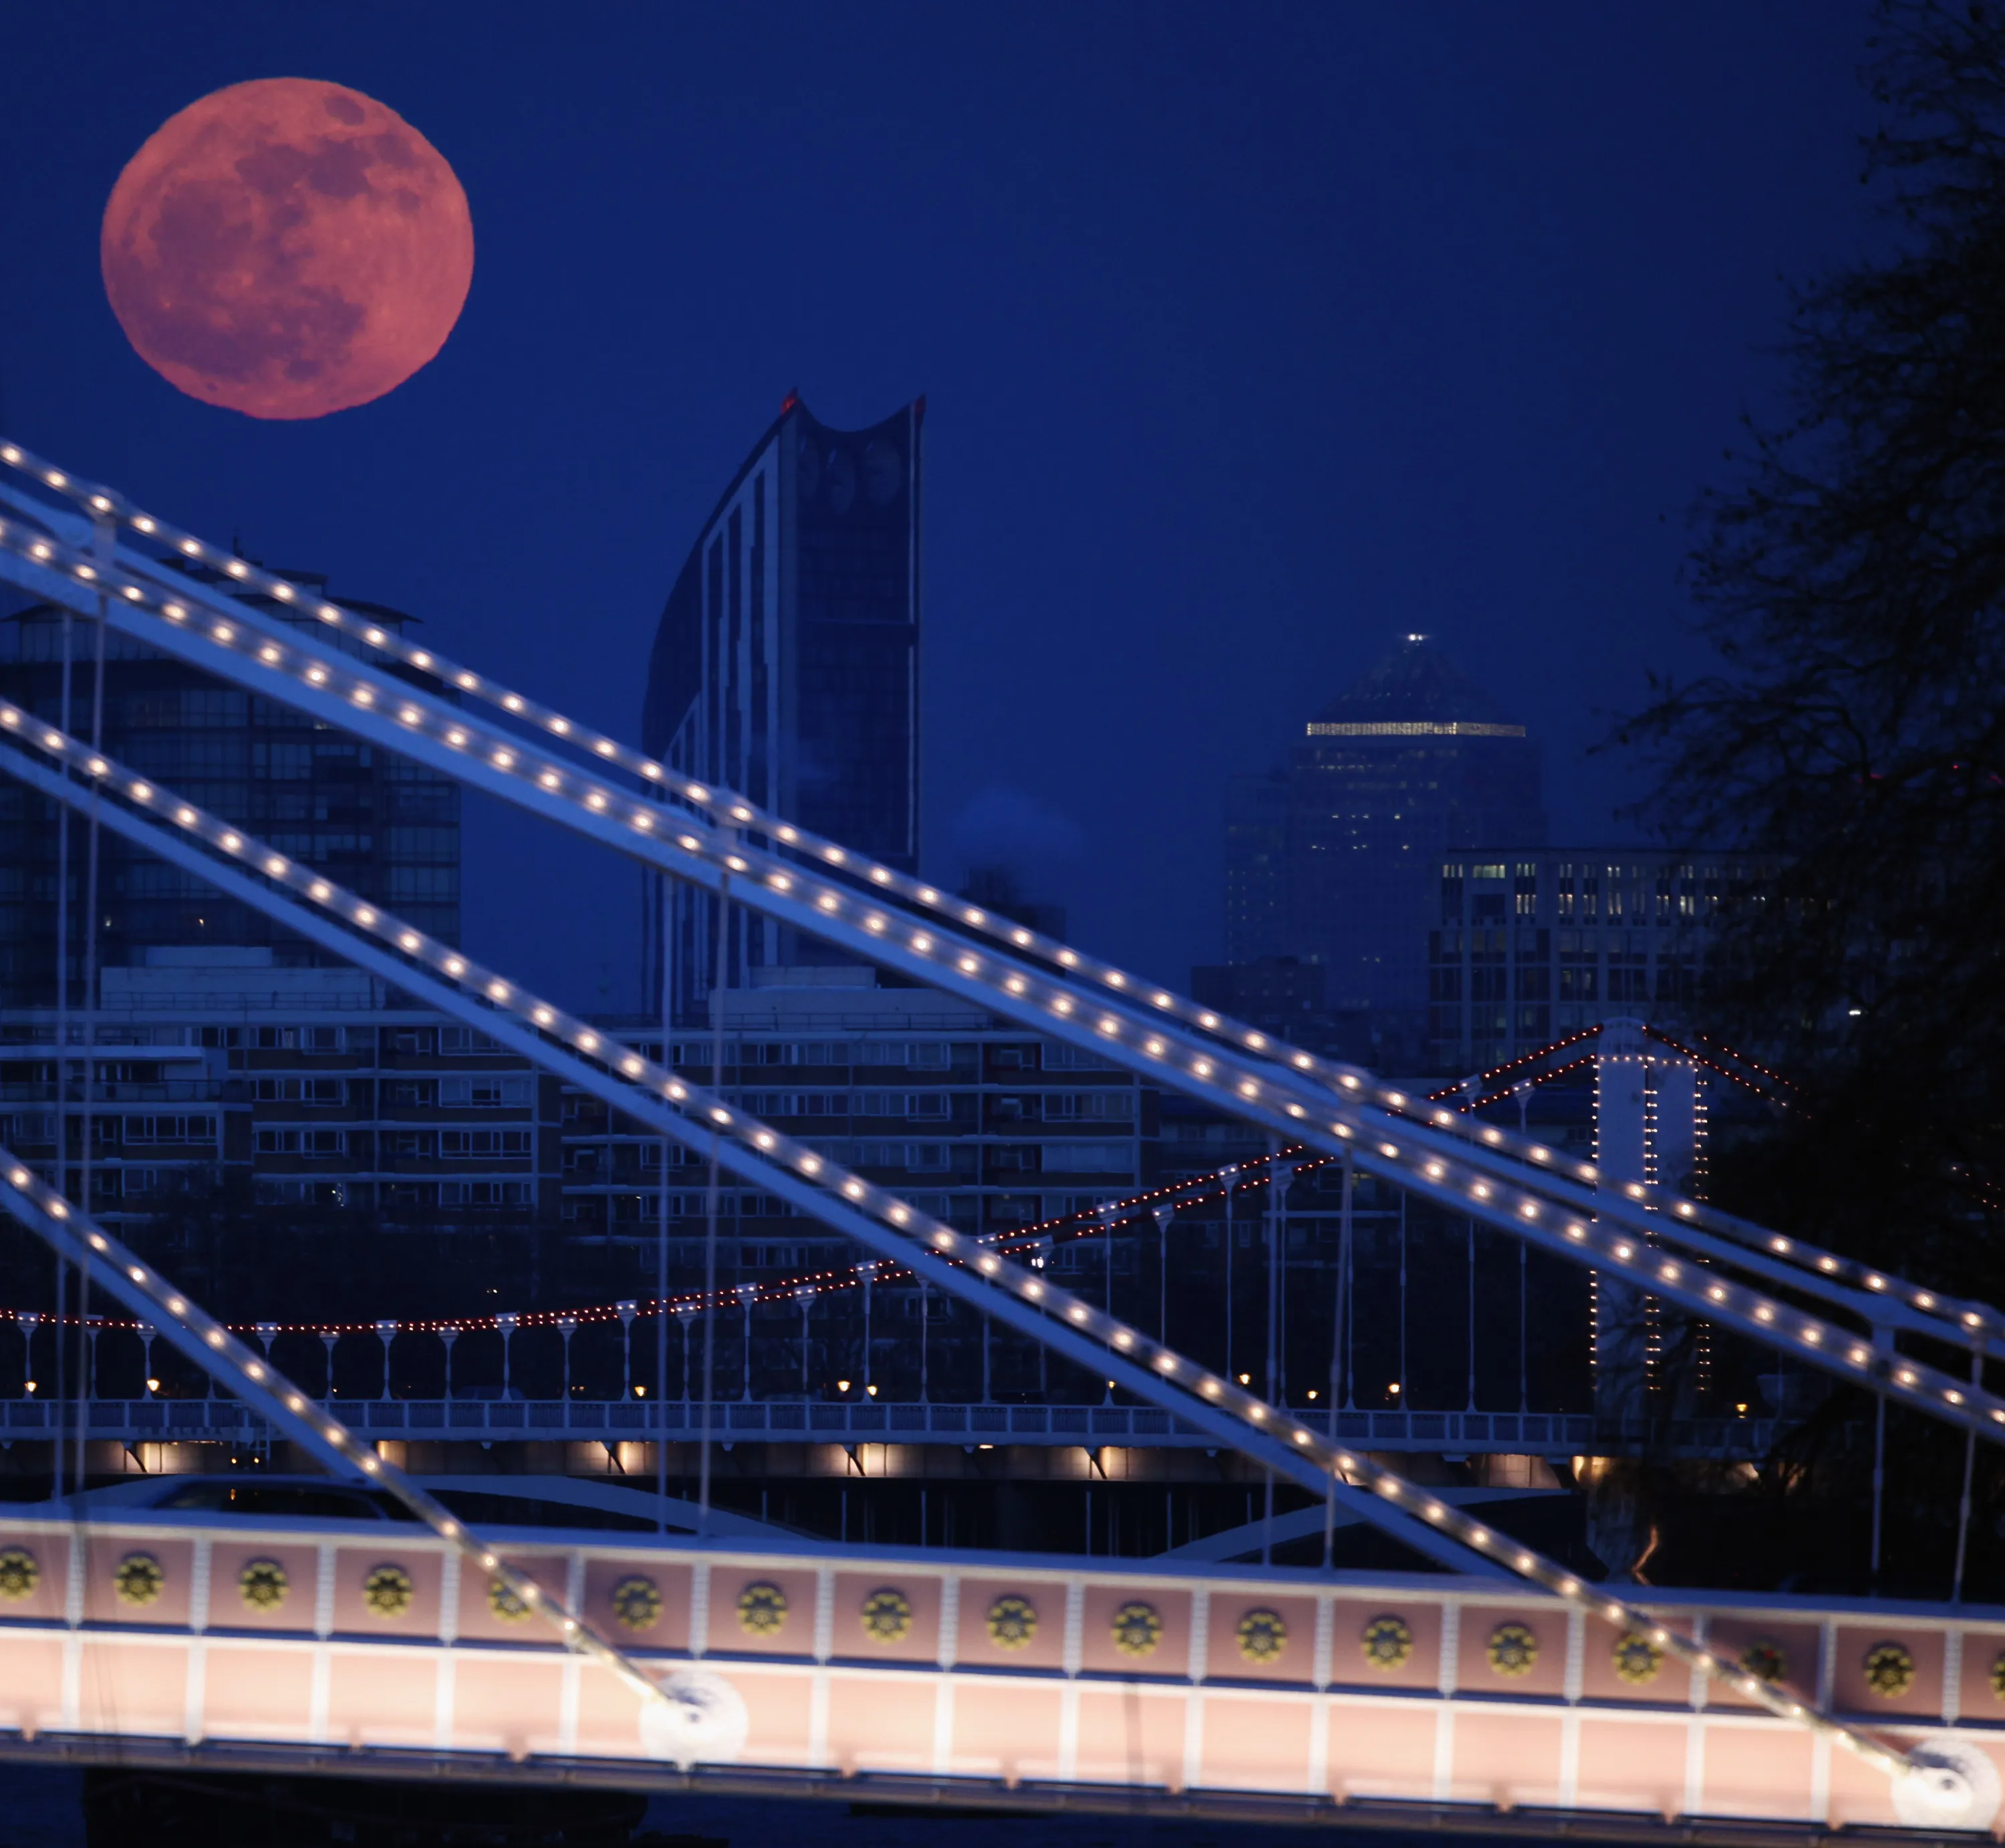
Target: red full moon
[287,249]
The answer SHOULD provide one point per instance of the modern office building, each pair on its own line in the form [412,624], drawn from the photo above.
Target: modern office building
[1331,856]
[384,827]
[1529,944]
[786,666]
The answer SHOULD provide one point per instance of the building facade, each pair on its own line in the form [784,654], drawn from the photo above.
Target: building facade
[222,1073]
[1529,944]
[786,666]
[969,1118]
[387,828]
[1331,856]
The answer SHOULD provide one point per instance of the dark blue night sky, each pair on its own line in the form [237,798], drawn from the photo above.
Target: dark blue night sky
[1252,337]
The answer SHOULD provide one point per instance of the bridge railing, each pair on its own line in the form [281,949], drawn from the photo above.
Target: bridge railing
[782,1420]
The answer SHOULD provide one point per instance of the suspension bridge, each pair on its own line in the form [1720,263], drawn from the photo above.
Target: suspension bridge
[1495,1686]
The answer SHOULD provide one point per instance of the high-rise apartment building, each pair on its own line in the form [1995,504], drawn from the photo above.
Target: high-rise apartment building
[1331,856]
[385,827]
[786,666]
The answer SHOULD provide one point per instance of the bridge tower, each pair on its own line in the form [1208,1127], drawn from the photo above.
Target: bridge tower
[1650,1126]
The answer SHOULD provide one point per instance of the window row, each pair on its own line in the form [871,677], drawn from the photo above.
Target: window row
[913,1055]
[501,1089]
[458,1145]
[919,1104]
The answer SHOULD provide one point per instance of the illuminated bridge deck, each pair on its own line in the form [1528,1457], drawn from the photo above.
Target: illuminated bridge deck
[292,1638]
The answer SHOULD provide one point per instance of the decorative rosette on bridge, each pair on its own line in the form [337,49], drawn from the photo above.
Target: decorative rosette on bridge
[1013,1621]
[1513,1649]
[637,1603]
[887,1617]
[386,1592]
[1138,1628]
[1263,1634]
[262,1585]
[20,1574]
[1637,1659]
[1889,1670]
[762,1608]
[139,1580]
[510,1606]
[1765,1659]
[1387,1642]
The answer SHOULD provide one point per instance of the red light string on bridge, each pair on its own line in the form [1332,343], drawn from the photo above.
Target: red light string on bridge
[1483,1078]
[1725,1071]
[1753,1065]
[1498,1097]
[1088,1222]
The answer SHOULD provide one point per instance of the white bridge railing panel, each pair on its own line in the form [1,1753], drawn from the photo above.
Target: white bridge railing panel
[1057,1683]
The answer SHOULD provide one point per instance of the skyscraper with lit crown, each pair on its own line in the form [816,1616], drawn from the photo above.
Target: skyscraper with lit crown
[1333,856]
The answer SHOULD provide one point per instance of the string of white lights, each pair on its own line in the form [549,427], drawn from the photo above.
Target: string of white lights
[653,1093]
[732,810]
[438,735]
[114,1267]
[1899,1303]
[944,1254]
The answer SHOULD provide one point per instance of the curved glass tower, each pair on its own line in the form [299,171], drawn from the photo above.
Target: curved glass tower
[786,666]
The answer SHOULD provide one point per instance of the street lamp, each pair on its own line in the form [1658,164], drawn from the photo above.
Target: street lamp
[685,1315]
[867,1271]
[567,1327]
[626,1312]
[746,1293]
[507,1324]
